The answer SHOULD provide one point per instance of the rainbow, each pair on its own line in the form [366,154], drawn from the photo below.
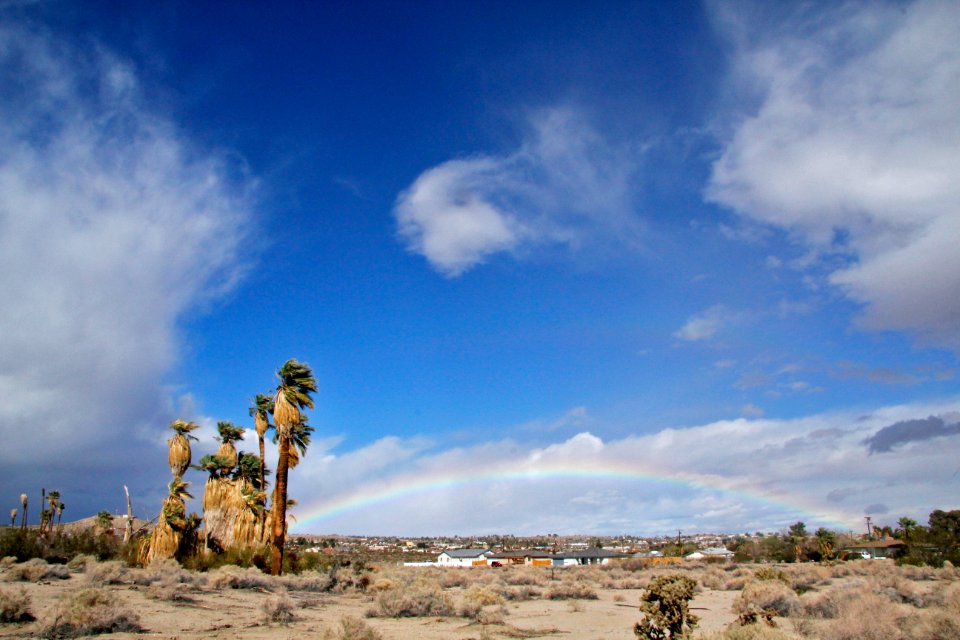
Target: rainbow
[399,487]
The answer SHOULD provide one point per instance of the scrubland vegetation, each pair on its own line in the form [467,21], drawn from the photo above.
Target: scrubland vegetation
[83,595]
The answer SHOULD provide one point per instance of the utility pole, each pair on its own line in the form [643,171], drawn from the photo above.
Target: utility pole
[680,542]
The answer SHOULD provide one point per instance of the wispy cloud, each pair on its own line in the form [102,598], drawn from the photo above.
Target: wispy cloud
[852,148]
[703,326]
[113,226]
[564,186]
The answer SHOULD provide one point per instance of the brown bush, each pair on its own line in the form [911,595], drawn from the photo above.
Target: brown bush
[351,628]
[15,606]
[103,573]
[570,591]
[767,595]
[278,608]
[36,569]
[232,577]
[412,603]
[88,612]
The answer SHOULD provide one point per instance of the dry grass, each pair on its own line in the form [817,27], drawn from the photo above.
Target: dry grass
[765,596]
[34,570]
[110,572]
[351,628]
[232,577]
[88,612]
[750,632]
[570,591]
[15,606]
[279,608]
[412,602]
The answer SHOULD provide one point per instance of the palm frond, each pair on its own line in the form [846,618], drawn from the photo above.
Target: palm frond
[297,383]
[229,432]
[182,427]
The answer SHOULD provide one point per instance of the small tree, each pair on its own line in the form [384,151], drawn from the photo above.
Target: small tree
[666,609]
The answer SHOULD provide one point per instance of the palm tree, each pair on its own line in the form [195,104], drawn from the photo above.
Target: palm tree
[826,541]
[180,455]
[293,394]
[23,503]
[13,517]
[229,433]
[60,508]
[166,536]
[260,409]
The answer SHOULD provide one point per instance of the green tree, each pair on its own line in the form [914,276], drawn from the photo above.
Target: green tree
[666,609]
[826,543]
[798,534]
[296,385]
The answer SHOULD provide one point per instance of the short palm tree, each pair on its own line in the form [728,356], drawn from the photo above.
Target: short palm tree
[296,384]
[13,517]
[180,455]
[229,433]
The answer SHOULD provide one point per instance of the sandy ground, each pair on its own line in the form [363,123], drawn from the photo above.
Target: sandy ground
[236,613]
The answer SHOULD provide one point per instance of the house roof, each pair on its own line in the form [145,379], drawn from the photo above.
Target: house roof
[466,553]
[522,553]
[592,553]
[878,544]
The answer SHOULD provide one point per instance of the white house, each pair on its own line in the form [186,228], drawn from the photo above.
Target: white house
[463,557]
[713,553]
[586,556]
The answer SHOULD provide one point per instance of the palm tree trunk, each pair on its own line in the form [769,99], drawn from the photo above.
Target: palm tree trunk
[280,507]
[263,485]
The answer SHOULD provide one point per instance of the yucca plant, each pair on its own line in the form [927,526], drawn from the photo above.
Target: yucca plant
[179,455]
[296,384]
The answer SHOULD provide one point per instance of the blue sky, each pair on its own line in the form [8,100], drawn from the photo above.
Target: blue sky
[714,241]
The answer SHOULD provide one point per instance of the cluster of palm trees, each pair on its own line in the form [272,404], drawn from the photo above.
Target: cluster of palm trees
[235,495]
[47,515]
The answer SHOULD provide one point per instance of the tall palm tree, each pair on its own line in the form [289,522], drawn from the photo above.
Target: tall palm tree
[23,503]
[180,455]
[13,517]
[293,394]
[260,410]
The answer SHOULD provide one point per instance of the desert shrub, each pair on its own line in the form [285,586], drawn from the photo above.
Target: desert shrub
[533,576]
[455,578]
[483,595]
[666,608]
[168,570]
[88,612]
[411,603]
[230,577]
[750,632]
[522,592]
[104,573]
[15,606]
[769,573]
[900,590]
[821,605]
[713,579]
[570,591]
[314,582]
[351,628]
[81,562]
[36,569]
[765,596]
[169,590]
[278,609]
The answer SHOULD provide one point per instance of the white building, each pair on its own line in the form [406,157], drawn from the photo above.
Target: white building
[463,557]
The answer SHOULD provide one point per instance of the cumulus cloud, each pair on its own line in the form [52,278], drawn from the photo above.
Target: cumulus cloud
[564,185]
[730,475]
[852,147]
[112,227]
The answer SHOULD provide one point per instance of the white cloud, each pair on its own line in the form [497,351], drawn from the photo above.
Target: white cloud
[703,326]
[853,148]
[112,227]
[730,475]
[564,185]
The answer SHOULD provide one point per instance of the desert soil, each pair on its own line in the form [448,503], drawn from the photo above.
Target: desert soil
[236,613]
